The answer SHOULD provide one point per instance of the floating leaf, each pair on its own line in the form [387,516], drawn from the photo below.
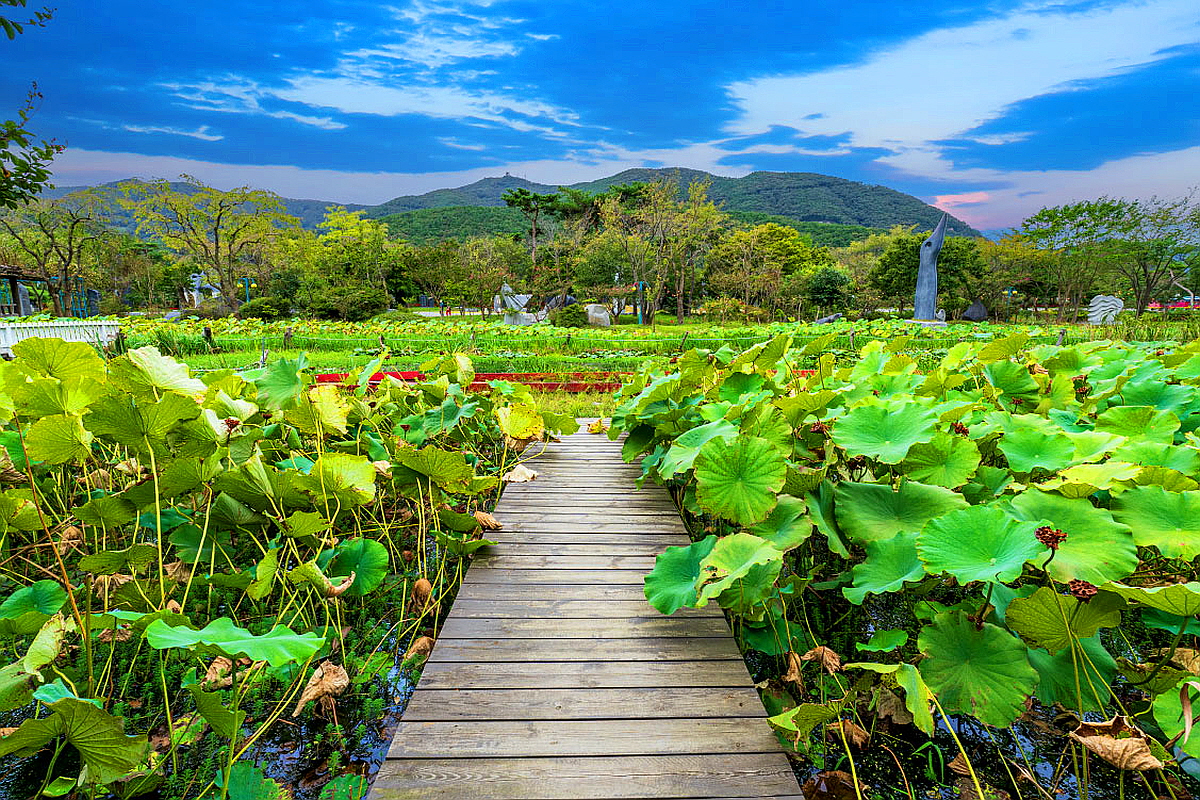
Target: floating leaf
[984,672]
[1169,521]
[884,432]
[277,647]
[97,735]
[889,563]
[980,543]
[730,559]
[884,641]
[739,481]
[1097,548]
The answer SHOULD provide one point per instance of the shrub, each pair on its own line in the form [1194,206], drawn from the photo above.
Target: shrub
[210,308]
[349,303]
[572,316]
[268,308]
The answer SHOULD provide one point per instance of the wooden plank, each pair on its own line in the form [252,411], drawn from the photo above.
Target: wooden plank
[552,564]
[564,609]
[538,738]
[599,594]
[483,651]
[664,525]
[592,577]
[609,629]
[446,705]
[587,674]
[602,539]
[582,546]
[724,777]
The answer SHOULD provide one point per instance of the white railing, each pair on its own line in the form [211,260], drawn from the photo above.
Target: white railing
[97,333]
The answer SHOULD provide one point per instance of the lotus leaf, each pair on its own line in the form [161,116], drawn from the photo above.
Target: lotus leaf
[686,447]
[1168,713]
[1010,379]
[980,543]
[98,736]
[249,782]
[1136,422]
[1077,678]
[1161,620]
[884,432]
[109,562]
[787,526]
[340,480]
[1169,521]
[1004,348]
[1180,599]
[264,575]
[802,719]
[1097,548]
[448,469]
[42,597]
[277,647]
[1028,449]
[1084,480]
[281,383]
[947,461]
[889,563]
[739,481]
[869,512]
[731,558]
[226,722]
[984,671]
[58,439]
[1055,622]
[671,585]
[1158,394]
[917,697]
[366,559]
[521,421]
[884,641]
[820,508]
[320,411]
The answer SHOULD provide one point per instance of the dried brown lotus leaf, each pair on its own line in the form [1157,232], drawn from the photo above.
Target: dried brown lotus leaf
[1119,742]
[519,474]
[827,658]
[890,706]
[422,646]
[421,591]
[219,674]
[855,736]
[487,521]
[793,669]
[327,682]
[178,571]
[337,591]
[597,426]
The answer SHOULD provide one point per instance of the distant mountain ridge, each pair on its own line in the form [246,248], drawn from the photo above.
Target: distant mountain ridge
[803,197]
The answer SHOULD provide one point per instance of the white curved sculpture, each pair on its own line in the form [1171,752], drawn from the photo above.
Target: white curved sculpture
[1104,308]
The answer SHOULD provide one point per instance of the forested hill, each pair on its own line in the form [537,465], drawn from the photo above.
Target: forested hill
[800,196]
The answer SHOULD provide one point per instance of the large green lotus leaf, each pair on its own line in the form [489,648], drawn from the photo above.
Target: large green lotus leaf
[321,411]
[869,512]
[366,559]
[248,782]
[264,575]
[1094,445]
[1084,480]
[890,562]
[820,508]
[96,735]
[984,672]
[55,358]
[917,697]
[1078,678]
[737,384]
[801,720]
[671,585]
[447,468]
[1168,713]
[1027,449]
[281,645]
[731,558]
[58,439]
[521,421]
[145,371]
[980,543]
[227,512]
[1134,422]
[686,447]
[948,461]
[764,356]
[46,396]
[193,546]
[767,422]
[226,722]
[139,423]
[1180,599]
[340,479]
[1178,457]
[110,562]
[999,349]
[1097,548]
[1169,521]
[884,432]
[988,483]
[884,641]
[281,383]
[42,597]
[1054,622]
[1011,379]
[1162,621]
[739,480]
[1158,394]
[787,526]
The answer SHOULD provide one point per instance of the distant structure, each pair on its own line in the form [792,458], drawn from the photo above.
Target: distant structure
[1104,308]
[925,304]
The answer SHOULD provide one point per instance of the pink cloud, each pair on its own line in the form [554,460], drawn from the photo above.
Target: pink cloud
[948,201]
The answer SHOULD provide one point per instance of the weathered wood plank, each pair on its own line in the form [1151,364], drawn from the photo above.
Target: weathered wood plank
[483,651]
[580,538]
[602,593]
[581,547]
[608,628]
[592,577]
[565,609]
[444,705]
[576,674]
[538,738]
[722,777]
[552,564]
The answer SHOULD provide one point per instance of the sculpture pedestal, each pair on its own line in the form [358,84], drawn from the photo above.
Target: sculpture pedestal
[928,323]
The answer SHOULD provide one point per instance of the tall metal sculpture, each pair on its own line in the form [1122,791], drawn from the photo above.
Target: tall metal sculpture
[925,304]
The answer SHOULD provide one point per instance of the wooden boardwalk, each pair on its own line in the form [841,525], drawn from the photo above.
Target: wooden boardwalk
[553,678]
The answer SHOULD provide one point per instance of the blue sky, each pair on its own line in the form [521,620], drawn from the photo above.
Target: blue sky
[990,110]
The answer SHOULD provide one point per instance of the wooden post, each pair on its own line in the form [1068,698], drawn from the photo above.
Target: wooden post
[208,336]
[119,344]
[14,296]
[851,340]
[287,338]
[1062,336]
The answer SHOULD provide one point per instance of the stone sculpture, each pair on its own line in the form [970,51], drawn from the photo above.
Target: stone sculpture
[976,312]
[925,304]
[1104,308]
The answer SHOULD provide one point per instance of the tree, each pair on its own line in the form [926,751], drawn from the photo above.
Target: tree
[485,266]
[219,230]
[1076,233]
[1156,241]
[432,268]
[828,289]
[762,263]
[534,207]
[894,275]
[24,163]
[1010,264]
[52,236]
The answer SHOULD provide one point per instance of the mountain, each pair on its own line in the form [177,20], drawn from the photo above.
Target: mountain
[309,212]
[800,196]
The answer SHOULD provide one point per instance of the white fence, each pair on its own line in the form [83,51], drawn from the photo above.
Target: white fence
[98,333]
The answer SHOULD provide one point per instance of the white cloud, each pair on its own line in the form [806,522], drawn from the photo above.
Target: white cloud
[434,50]
[235,95]
[945,83]
[200,133]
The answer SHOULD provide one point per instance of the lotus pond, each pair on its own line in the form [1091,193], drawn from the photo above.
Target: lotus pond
[223,587]
[977,578]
